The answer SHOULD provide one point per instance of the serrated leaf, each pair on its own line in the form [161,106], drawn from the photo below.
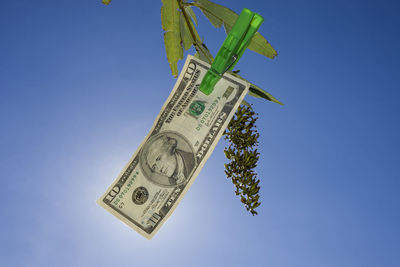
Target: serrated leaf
[260,45]
[106,2]
[227,28]
[257,91]
[174,50]
[196,34]
[204,54]
[169,15]
[185,33]
[216,22]
[189,10]
[217,13]
[172,38]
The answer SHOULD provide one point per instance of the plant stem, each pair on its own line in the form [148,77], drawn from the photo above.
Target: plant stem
[195,41]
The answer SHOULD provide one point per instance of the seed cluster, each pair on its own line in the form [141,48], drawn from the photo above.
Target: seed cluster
[243,155]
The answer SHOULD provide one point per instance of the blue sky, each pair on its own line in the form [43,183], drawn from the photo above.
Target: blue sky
[80,86]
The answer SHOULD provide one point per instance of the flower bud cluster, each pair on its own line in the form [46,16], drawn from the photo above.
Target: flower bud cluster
[243,155]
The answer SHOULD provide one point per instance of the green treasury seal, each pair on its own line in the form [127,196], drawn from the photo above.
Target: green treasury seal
[196,108]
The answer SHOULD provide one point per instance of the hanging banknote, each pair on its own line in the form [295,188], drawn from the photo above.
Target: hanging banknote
[183,136]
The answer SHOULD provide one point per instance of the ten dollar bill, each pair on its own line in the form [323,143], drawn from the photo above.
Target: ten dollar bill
[183,136]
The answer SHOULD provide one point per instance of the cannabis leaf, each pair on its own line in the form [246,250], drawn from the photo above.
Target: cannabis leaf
[218,14]
[204,54]
[189,33]
[189,10]
[256,91]
[172,37]
[187,40]
[260,45]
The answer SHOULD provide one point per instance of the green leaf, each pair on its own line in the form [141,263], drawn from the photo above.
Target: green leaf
[257,91]
[172,39]
[244,102]
[169,15]
[260,45]
[196,34]
[106,2]
[204,54]
[217,13]
[174,50]
[185,33]
[227,28]
[216,22]
[186,36]
[189,10]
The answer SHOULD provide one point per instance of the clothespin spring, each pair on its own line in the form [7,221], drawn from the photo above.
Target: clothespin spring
[234,58]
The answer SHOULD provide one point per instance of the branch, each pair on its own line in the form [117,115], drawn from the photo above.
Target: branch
[195,42]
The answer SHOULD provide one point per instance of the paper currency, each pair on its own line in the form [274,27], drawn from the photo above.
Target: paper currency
[183,136]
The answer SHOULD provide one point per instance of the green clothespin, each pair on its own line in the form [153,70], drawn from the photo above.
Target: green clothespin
[232,49]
